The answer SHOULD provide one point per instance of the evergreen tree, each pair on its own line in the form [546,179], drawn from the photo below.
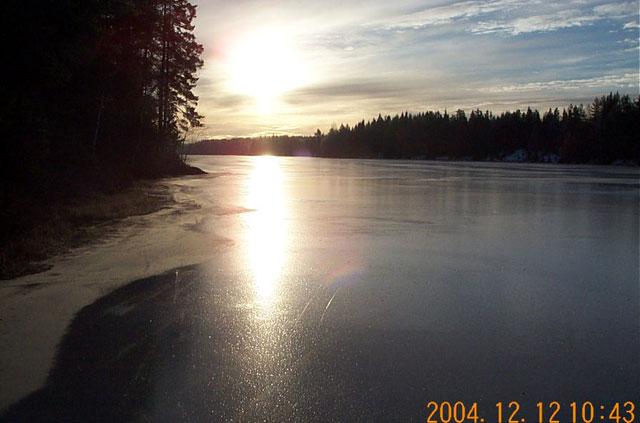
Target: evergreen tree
[99,92]
[179,60]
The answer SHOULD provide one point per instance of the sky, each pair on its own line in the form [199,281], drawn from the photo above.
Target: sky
[291,67]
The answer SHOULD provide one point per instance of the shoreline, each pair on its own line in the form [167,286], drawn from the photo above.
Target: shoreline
[80,221]
[76,223]
[129,248]
[434,160]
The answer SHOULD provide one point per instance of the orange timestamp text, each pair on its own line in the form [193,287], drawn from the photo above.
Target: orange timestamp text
[544,412]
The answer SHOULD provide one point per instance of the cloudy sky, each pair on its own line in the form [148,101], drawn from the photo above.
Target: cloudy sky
[294,66]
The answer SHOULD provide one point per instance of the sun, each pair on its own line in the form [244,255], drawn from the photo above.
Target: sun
[264,65]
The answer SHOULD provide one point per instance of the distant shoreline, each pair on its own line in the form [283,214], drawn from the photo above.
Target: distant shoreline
[434,160]
[604,132]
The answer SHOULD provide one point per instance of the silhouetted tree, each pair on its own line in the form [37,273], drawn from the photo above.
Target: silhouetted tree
[96,93]
[179,60]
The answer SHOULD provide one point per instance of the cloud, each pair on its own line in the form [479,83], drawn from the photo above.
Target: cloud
[371,88]
[627,80]
[230,101]
[511,16]
[448,13]
[540,23]
[616,10]
[559,19]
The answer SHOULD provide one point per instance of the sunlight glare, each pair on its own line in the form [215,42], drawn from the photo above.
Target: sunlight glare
[264,65]
[266,226]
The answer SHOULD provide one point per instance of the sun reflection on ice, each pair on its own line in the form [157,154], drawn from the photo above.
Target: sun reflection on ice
[267,229]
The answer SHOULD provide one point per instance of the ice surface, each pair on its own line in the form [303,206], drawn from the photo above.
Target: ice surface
[427,280]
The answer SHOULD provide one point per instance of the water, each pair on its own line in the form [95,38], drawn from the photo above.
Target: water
[361,289]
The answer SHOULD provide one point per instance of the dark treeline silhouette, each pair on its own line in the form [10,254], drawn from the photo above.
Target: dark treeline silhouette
[96,94]
[603,133]
[98,88]
[277,145]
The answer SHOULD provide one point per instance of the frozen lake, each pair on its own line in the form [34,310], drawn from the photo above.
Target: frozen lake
[359,289]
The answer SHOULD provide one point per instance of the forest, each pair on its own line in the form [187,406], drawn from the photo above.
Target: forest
[99,92]
[604,132]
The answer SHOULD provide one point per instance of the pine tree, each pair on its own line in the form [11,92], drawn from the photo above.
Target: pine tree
[179,58]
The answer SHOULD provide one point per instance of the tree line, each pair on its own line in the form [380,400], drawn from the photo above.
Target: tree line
[98,92]
[607,131]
